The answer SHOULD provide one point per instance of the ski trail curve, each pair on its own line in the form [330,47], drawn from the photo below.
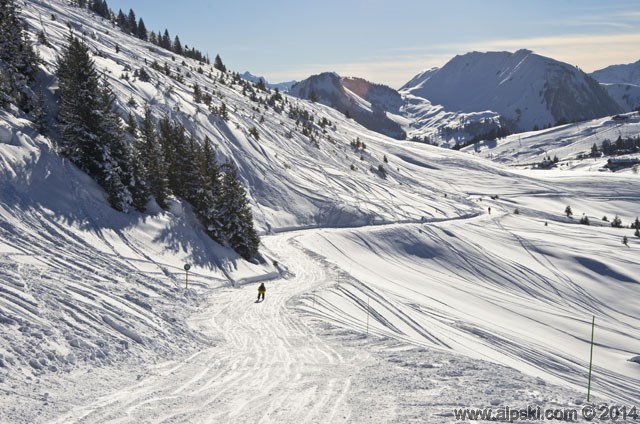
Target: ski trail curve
[265,365]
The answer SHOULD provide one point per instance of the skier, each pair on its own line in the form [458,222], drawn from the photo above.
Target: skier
[261,290]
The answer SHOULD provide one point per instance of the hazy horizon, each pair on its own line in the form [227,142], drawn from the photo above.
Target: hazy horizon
[390,42]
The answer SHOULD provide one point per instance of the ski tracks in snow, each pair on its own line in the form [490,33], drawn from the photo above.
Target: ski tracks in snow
[268,365]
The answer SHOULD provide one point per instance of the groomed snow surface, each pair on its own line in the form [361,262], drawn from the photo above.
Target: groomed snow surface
[392,299]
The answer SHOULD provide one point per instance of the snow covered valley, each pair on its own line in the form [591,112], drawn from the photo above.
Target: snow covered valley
[387,322]
[403,280]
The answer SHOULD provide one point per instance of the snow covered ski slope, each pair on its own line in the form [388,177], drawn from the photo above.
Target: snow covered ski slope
[392,296]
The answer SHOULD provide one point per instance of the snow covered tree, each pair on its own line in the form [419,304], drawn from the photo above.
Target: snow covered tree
[152,156]
[91,134]
[210,212]
[237,219]
[79,113]
[138,186]
[18,60]
[117,166]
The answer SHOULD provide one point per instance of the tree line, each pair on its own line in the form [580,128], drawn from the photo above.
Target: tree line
[135,163]
[156,160]
[130,24]
[18,60]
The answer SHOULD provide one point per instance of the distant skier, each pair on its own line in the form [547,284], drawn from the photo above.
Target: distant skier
[261,291]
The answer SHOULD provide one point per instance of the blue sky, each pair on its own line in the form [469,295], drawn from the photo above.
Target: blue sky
[390,41]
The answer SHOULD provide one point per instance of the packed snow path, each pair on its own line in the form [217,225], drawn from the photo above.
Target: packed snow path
[268,368]
[269,364]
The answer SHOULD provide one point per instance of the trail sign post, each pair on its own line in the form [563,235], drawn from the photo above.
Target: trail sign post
[187,267]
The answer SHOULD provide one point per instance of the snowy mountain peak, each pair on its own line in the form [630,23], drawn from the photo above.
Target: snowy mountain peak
[371,105]
[526,89]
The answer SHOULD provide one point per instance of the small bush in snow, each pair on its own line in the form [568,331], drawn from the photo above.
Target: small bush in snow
[382,171]
[568,211]
[617,222]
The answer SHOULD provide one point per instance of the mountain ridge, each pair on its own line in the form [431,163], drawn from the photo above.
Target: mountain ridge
[526,89]
[622,82]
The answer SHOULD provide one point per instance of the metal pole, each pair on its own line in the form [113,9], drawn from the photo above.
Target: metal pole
[593,326]
[367,316]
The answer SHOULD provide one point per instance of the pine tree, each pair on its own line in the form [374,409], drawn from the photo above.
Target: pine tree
[39,113]
[217,63]
[210,214]
[79,108]
[100,8]
[138,185]
[121,21]
[90,130]
[194,183]
[197,94]
[165,40]
[237,219]
[18,60]
[117,168]
[132,24]
[177,46]
[223,112]
[154,161]
[142,30]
